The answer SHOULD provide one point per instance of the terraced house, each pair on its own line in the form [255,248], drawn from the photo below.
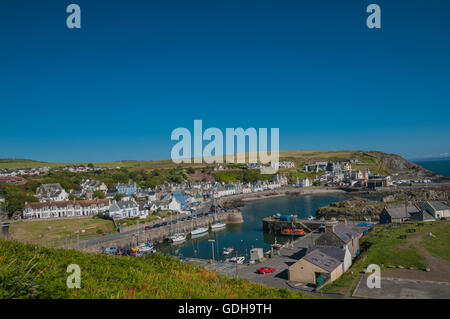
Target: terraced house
[65,209]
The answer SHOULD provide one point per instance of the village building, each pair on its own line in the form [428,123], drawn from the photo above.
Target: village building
[51,192]
[401,214]
[123,209]
[126,189]
[65,209]
[318,266]
[340,235]
[437,209]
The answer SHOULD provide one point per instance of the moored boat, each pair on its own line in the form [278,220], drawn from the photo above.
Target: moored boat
[199,231]
[238,260]
[218,225]
[227,251]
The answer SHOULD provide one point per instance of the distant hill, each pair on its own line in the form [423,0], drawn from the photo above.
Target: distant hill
[377,162]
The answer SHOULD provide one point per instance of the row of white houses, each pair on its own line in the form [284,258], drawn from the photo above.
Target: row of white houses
[65,209]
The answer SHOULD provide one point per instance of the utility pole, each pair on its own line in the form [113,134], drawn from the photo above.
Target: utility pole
[212,249]
[236,274]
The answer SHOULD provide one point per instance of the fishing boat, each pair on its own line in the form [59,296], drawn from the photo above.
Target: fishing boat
[293,232]
[238,260]
[227,251]
[199,231]
[218,225]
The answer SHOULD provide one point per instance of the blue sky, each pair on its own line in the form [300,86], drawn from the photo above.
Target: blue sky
[139,69]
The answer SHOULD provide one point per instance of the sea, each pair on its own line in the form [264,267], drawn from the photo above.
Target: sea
[441,166]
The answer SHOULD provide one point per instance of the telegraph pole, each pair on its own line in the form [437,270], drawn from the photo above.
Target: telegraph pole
[212,249]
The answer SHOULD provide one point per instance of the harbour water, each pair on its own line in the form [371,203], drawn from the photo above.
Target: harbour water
[243,237]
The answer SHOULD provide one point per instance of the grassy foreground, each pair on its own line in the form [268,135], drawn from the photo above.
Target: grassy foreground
[31,272]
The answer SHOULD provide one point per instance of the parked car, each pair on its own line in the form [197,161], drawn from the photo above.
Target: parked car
[265,270]
[121,251]
[148,228]
[130,252]
[110,250]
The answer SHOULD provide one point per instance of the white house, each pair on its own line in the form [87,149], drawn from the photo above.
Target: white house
[65,209]
[51,192]
[123,209]
[174,205]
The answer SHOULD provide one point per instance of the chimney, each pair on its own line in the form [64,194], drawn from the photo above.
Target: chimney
[330,226]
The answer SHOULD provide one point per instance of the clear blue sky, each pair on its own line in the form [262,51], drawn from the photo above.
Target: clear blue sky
[138,69]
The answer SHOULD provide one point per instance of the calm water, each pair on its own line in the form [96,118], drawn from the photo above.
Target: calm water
[249,234]
[439,166]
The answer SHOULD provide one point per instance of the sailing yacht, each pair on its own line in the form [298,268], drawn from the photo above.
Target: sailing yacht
[199,231]
[177,237]
[218,225]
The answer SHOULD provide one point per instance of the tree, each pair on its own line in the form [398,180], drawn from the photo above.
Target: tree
[98,194]
[118,197]
[90,165]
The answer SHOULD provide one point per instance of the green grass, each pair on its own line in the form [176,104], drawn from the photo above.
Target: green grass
[134,221]
[39,232]
[438,246]
[383,247]
[30,272]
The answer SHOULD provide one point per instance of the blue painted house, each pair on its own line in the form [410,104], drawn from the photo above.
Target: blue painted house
[126,189]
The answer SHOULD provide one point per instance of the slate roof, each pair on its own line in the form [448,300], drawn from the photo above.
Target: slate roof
[322,260]
[439,205]
[399,211]
[344,232]
[335,252]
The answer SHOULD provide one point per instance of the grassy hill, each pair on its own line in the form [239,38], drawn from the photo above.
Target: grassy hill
[377,162]
[27,271]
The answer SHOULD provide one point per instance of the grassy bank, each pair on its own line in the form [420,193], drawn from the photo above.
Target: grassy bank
[30,272]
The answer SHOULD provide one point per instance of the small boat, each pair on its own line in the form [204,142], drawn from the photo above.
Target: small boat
[218,225]
[293,232]
[146,248]
[311,218]
[177,237]
[238,260]
[199,231]
[227,251]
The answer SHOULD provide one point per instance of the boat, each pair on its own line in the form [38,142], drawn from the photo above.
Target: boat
[311,218]
[177,237]
[146,248]
[293,232]
[238,260]
[218,225]
[227,251]
[199,231]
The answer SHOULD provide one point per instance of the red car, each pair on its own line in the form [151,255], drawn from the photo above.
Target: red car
[148,228]
[265,270]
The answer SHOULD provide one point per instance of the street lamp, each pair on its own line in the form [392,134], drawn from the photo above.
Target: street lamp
[212,249]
